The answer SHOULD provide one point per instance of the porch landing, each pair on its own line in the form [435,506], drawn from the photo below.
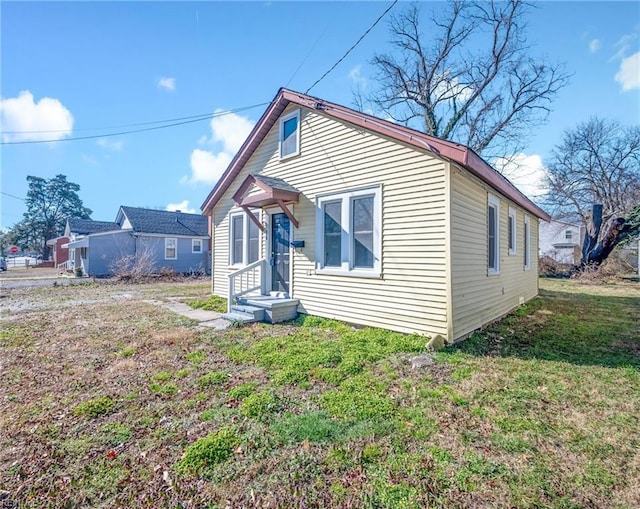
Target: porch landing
[263,308]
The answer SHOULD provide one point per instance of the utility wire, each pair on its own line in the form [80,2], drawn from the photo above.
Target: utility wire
[12,196]
[202,115]
[353,47]
[120,133]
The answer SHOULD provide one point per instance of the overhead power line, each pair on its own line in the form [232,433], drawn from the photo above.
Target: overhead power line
[12,196]
[353,47]
[120,133]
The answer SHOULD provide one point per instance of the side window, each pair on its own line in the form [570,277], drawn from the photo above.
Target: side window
[493,235]
[512,231]
[196,245]
[527,243]
[170,249]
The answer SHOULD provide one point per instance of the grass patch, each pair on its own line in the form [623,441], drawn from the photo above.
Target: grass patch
[207,452]
[212,378]
[94,407]
[211,303]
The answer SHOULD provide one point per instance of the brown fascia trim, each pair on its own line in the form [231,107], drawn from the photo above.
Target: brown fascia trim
[455,152]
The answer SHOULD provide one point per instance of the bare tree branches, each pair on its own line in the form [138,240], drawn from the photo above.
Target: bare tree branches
[467,77]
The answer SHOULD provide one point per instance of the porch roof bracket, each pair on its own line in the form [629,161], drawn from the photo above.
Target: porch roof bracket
[253,218]
[288,213]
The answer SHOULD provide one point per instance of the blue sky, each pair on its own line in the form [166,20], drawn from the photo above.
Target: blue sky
[75,66]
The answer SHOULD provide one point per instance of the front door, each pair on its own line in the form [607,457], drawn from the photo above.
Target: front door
[280,233]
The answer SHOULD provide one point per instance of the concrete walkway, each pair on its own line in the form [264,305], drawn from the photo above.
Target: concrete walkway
[211,319]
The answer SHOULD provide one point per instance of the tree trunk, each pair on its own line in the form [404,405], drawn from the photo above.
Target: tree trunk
[594,252]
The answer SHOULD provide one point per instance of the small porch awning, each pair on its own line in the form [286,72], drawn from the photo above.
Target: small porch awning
[84,242]
[273,191]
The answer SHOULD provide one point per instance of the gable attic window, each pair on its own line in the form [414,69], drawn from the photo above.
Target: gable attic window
[348,226]
[170,249]
[196,246]
[512,231]
[244,241]
[289,137]
[493,235]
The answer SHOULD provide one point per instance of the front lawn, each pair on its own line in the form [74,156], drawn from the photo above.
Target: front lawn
[108,400]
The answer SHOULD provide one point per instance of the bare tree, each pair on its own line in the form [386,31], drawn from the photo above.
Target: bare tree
[468,77]
[594,175]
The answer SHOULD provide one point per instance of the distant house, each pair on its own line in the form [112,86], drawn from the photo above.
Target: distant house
[561,241]
[352,217]
[162,239]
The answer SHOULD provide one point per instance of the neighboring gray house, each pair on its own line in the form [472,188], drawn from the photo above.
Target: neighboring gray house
[561,241]
[160,239]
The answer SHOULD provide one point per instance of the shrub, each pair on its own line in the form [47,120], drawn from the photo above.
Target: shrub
[94,407]
[209,451]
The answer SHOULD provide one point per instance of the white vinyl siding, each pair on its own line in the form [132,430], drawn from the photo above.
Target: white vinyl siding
[348,233]
[170,249]
[478,299]
[410,292]
[290,135]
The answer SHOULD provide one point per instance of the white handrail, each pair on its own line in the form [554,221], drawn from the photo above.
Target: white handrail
[249,279]
[66,265]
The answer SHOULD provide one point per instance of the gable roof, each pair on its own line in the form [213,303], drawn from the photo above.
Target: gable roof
[447,150]
[89,226]
[164,222]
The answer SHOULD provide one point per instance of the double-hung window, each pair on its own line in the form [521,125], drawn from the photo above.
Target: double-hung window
[493,235]
[170,249]
[244,240]
[348,233]
[289,137]
[196,246]
[527,243]
[512,231]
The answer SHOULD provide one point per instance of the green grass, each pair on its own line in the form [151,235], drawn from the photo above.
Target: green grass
[538,410]
[212,303]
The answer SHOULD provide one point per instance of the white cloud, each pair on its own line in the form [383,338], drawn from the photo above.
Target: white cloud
[21,116]
[629,73]
[183,206]
[526,172]
[207,167]
[228,133]
[623,45]
[114,145]
[167,83]
[355,75]
[595,45]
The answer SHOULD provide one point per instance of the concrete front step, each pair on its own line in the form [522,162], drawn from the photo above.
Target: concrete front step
[276,309]
[255,311]
[235,316]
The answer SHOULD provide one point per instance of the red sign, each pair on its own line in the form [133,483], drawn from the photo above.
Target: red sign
[14,249]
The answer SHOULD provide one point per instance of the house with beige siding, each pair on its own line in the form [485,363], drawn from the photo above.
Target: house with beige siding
[332,212]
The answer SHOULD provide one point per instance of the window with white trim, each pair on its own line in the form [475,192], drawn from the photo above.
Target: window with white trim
[244,239]
[170,249]
[348,226]
[511,231]
[493,234]
[527,243]
[568,234]
[289,136]
[196,246]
